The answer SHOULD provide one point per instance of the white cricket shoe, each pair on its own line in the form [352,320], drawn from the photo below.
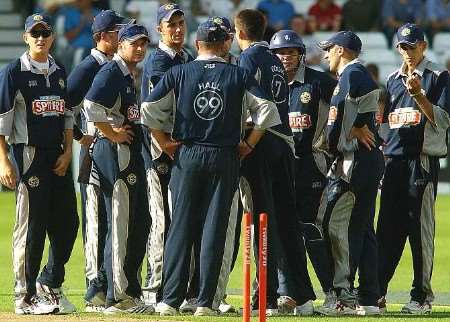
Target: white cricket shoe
[188,306]
[56,296]
[329,303]
[165,309]
[414,307]
[35,305]
[205,311]
[367,310]
[306,309]
[225,307]
[129,305]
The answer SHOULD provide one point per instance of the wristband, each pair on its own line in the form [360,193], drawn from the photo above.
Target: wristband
[249,145]
[418,93]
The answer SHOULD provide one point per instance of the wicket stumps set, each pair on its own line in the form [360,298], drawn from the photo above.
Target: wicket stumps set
[262,266]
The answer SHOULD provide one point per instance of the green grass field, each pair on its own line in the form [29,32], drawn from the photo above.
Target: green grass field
[74,285]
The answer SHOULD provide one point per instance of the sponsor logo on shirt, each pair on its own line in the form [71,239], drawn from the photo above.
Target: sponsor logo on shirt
[404,117]
[299,122]
[133,113]
[48,106]
[332,115]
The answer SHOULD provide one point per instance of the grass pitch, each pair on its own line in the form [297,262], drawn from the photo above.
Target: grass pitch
[74,284]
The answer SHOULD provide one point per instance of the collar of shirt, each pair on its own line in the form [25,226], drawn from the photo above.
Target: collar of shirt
[25,64]
[341,70]
[211,58]
[171,52]
[299,75]
[419,69]
[259,43]
[122,65]
[99,56]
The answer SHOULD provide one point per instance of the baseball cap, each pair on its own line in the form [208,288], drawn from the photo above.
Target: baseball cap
[346,39]
[223,22]
[133,32]
[166,11]
[38,19]
[107,20]
[409,34]
[210,31]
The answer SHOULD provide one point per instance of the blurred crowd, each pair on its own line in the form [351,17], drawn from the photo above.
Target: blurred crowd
[73,18]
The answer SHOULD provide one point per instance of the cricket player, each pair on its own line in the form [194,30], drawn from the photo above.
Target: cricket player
[415,123]
[269,170]
[170,52]
[94,224]
[348,210]
[203,104]
[111,104]
[36,123]
[310,93]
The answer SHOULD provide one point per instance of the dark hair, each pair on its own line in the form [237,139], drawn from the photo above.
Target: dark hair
[373,68]
[252,22]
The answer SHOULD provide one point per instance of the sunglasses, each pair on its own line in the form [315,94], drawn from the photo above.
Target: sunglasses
[38,33]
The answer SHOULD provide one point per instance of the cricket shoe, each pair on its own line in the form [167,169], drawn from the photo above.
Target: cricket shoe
[35,305]
[96,304]
[382,304]
[188,306]
[367,310]
[149,297]
[306,309]
[271,309]
[205,311]
[225,307]
[129,305]
[329,303]
[414,307]
[165,309]
[286,305]
[56,296]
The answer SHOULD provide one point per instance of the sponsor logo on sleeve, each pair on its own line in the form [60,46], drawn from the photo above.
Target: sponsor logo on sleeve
[332,115]
[404,117]
[48,106]
[299,122]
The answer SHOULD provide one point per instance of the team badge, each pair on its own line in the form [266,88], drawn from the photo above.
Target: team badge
[286,37]
[218,20]
[37,18]
[61,83]
[305,97]
[169,6]
[336,90]
[162,168]
[131,178]
[406,32]
[33,182]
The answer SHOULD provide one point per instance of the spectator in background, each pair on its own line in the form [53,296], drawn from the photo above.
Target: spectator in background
[314,54]
[325,16]
[447,64]
[278,12]
[396,13]
[438,16]
[78,20]
[361,15]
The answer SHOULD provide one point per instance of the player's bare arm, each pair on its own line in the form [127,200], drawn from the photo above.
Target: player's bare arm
[7,173]
[165,142]
[63,161]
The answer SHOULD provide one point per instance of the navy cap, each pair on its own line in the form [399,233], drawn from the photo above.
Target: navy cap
[346,39]
[107,20]
[133,32]
[409,34]
[210,31]
[223,22]
[166,11]
[38,19]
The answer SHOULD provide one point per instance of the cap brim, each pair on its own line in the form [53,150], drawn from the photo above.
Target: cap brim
[137,37]
[46,25]
[411,44]
[169,15]
[326,44]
